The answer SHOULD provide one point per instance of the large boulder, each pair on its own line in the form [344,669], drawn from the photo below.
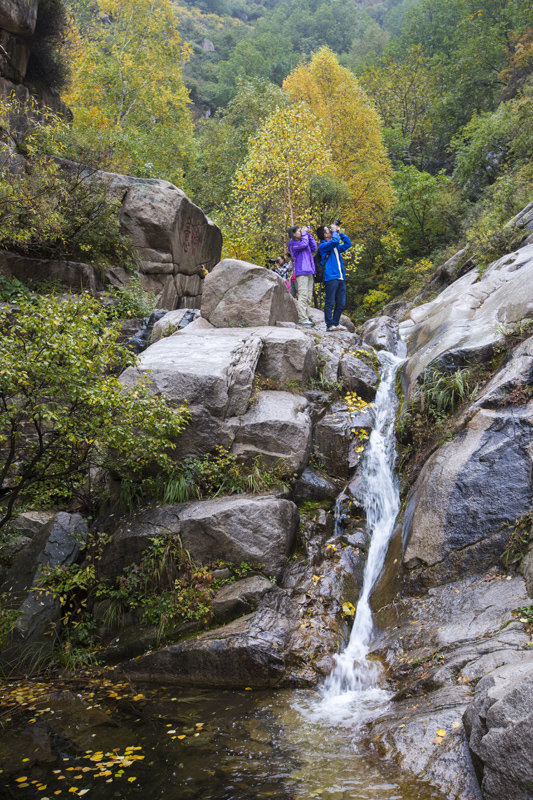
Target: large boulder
[287,355]
[278,428]
[258,530]
[358,376]
[339,436]
[174,238]
[243,294]
[382,333]
[236,599]
[70,274]
[498,723]
[466,496]
[59,543]
[465,322]
[215,372]
[251,651]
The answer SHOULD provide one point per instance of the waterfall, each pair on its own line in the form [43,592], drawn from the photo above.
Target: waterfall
[352,692]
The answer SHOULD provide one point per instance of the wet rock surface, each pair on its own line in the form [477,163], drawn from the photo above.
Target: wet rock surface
[498,724]
[437,648]
[250,650]
[466,496]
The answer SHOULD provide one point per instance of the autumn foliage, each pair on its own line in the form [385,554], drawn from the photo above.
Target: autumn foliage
[352,129]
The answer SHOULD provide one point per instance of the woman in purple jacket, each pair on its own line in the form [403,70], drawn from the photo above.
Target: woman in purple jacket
[301,247]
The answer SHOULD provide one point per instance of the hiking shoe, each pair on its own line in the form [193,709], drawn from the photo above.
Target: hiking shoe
[332,328]
[341,327]
[307,324]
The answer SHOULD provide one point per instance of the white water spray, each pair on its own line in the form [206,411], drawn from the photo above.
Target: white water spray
[355,678]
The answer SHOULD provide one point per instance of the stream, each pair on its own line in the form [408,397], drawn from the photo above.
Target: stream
[113,740]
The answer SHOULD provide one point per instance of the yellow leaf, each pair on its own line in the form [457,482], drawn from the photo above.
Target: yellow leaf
[441,733]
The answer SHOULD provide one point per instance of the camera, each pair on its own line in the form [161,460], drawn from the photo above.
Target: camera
[337,222]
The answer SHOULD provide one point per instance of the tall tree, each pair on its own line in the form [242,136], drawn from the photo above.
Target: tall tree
[271,190]
[222,141]
[127,91]
[351,128]
[405,94]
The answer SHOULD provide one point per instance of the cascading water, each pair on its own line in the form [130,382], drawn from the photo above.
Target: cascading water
[351,692]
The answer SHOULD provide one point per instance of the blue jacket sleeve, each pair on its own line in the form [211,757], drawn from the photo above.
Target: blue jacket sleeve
[326,247]
[346,243]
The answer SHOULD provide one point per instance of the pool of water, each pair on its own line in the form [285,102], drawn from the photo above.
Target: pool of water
[105,740]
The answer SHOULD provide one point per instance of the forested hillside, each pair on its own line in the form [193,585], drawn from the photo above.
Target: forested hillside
[409,120]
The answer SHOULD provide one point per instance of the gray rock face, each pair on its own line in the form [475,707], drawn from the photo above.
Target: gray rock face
[215,372]
[498,724]
[465,321]
[236,599]
[277,427]
[258,530]
[358,377]
[173,237]
[465,495]
[251,651]
[288,355]
[19,16]
[59,543]
[437,646]
[336,438]
[69,273]
[239,293]
[381,333]
[313,486]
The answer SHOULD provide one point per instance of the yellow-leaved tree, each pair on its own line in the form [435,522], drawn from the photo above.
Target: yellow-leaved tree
[352,130]
[272,190]
[127,92]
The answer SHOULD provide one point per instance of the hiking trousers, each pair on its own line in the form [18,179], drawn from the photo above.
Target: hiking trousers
[305,296]
[335,301]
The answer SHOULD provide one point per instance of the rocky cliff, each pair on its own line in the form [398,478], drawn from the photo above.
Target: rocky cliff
[18,26]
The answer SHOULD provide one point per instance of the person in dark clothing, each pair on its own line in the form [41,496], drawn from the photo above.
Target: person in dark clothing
[333,242]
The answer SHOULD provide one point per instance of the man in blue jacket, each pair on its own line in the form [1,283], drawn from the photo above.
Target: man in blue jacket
[333,242]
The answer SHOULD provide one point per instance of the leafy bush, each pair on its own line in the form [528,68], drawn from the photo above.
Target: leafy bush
[65,413]
[488,235]
[132,301]
[164,590]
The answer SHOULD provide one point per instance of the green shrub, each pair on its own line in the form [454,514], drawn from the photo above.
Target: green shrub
[65,413]
[132,301]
